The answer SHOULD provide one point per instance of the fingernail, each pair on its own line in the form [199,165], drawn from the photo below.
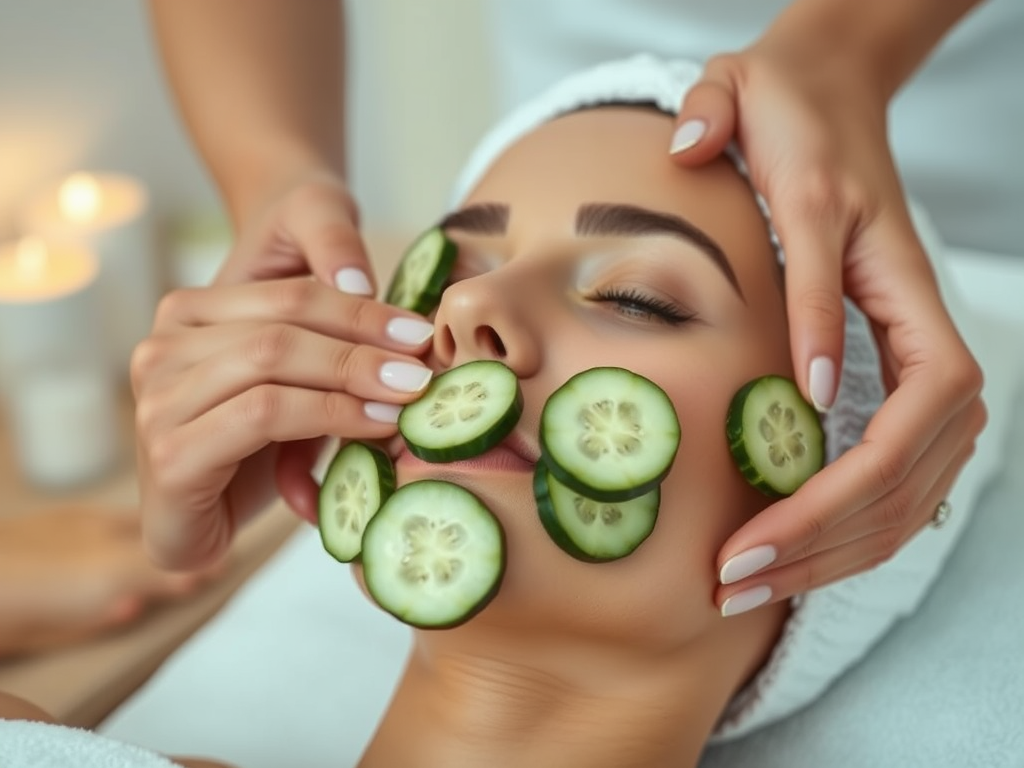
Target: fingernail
[386,412]
[406,330]
[405,377]
[822,383]
[747,563]
[352,280]
[747,600]
[686,135]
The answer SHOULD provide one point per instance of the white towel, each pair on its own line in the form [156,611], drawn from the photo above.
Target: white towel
[832,628]
[27,744]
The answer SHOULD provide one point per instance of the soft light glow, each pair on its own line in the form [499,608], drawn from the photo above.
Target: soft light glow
[31,257]
[79,197]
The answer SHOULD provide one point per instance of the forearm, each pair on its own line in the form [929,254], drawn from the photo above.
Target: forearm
[260,85]
[886,40]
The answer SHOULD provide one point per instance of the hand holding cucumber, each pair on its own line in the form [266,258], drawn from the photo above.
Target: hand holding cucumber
[237,385]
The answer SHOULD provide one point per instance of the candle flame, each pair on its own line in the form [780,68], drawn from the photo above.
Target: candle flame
[79,197]
[31,256]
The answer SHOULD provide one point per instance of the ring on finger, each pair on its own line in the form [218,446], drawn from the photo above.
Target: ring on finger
[941,515]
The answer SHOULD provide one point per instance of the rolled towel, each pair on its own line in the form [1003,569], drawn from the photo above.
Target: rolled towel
[29,744]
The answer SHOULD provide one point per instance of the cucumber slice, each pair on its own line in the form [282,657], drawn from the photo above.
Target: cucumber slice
[422,273]
[358,480]
[593,531]
[609,434]
[464,412]
[434,555]
[775,435]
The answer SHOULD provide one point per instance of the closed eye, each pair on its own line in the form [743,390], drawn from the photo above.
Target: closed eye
[636,305]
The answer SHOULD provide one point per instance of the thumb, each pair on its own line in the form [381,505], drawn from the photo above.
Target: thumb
[707,118]
[324,228]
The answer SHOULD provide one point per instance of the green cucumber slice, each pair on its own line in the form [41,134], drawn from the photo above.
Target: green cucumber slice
[775,435]
[464,412]
[422,273]
[609,434]
[589,530]
[358,480]
[434,555]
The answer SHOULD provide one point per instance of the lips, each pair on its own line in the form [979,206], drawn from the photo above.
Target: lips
[513,454]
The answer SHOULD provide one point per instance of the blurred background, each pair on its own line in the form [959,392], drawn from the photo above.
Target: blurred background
[80,87]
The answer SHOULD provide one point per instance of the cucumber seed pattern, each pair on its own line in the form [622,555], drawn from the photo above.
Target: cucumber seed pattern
[610,426]
[456,402]
[778,428]
[351,502]
[589,511]
[431,550]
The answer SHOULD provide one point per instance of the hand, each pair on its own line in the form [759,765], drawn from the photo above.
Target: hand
[814,138]
[306,225]
[238,384]
[71,573]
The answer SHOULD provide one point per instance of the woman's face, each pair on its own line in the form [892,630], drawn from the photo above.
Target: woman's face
[585,246]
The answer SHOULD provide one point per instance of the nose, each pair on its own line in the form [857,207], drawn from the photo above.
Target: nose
[485,317]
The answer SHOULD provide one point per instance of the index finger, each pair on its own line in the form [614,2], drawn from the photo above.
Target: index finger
[299,301]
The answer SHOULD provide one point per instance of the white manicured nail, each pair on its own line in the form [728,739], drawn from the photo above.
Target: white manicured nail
[747,563]
[406,330]
[352,280]
[747,600]
[405,377]
[822,383]
[687,135]
[386,412]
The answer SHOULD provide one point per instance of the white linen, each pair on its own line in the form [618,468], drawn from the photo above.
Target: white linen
[25,744]
[297,669]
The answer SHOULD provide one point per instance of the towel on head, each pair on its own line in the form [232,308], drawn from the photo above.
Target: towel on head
[832,628]
[27,744]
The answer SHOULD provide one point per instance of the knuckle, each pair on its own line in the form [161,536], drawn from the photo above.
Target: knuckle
[897,508]
[163,452]
[887,544]
[345,363]
[171,306]
[145,356]
[333,407]
[270,346]
[891,466]
[824,307]
[290,298]
[819,198]
[813,528]
[261,406]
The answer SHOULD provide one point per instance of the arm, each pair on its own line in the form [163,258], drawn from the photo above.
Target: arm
[884,41]
[260,85]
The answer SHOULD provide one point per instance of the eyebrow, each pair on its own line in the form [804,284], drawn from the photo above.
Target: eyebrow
[601,219]
[613,219]
[479,219]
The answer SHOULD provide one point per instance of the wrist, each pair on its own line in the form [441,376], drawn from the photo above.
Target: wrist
[262,173]
[879,42]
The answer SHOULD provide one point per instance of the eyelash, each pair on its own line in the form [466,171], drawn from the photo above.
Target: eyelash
[637,304]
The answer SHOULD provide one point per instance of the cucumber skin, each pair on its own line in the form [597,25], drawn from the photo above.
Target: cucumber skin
[430,296]
[598,494]
[734,434]
[484,600]
[467,450]
[385,476]
[548,518]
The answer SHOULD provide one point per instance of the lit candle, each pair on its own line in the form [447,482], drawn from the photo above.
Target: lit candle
[57,386]
[109,214]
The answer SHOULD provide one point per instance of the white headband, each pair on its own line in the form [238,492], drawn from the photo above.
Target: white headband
[830,629]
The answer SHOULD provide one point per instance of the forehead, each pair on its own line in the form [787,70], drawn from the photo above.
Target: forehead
[620,154]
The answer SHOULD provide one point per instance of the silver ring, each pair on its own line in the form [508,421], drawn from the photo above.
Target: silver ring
[942,513]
